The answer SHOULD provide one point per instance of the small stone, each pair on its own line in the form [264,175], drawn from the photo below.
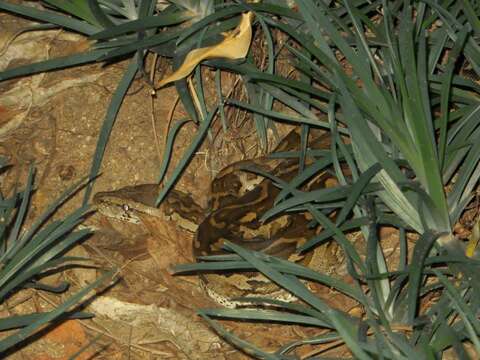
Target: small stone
[66,172]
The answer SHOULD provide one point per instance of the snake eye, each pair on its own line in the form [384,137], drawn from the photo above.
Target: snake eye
[126,208]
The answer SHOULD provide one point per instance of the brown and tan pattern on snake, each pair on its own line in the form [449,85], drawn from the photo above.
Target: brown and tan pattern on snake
[238,201]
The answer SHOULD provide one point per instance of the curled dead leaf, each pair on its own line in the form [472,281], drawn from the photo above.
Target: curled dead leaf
[235,45]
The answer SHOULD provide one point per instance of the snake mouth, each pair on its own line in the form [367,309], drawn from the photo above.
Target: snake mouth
[120,212]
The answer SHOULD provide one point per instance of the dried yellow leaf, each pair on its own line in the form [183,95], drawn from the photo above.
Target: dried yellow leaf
[473,240]
[235,45]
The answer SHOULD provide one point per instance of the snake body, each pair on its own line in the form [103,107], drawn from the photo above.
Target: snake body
[238,201]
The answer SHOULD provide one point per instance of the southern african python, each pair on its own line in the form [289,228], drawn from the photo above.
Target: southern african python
[238,200]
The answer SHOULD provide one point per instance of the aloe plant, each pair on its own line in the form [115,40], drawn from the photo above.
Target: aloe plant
[26,256]
[412,122]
